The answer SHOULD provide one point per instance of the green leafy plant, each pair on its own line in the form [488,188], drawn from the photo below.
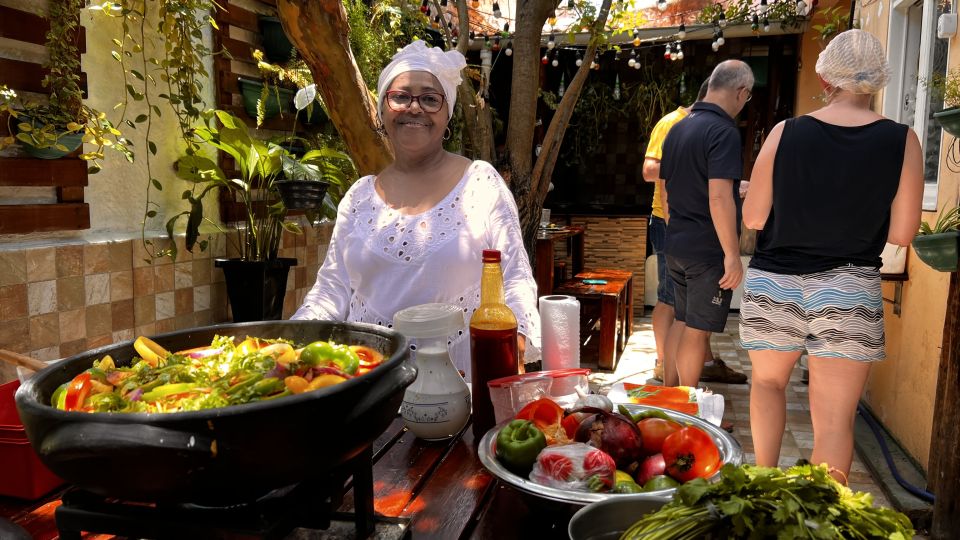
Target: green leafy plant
[46,124]
[766,502]
[836,20]
[947,220]
[945,87]
[165,36]
[742,11]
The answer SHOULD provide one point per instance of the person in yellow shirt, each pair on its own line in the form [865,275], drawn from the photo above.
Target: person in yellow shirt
[714,370]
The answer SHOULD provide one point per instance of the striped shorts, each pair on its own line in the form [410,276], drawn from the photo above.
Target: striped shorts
[837,313]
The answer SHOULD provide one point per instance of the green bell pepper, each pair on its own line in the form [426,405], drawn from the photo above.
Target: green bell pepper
[321,353]
[518,445]
[168,390]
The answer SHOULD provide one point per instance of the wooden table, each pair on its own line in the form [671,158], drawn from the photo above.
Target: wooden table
[546,239]
[441,487]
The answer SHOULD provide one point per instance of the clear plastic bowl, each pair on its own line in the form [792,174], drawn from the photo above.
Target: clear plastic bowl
[510,394]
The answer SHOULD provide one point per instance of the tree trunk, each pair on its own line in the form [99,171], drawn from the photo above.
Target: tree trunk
[944,450]
[477,119]
[319,30]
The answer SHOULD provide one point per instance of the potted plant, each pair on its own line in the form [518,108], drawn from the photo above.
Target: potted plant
[57,127]
[256,280]
[947,87]
[937,246]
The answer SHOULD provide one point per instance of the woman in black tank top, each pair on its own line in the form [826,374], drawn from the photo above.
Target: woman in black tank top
[827,191]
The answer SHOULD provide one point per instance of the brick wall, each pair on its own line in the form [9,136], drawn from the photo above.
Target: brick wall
[60,300]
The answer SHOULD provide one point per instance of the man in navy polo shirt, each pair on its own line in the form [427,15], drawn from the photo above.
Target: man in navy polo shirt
[702,164]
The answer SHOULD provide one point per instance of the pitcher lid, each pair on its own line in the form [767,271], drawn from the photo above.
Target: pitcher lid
[429,320]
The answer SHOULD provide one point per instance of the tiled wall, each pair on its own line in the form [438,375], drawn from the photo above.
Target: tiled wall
[59,300]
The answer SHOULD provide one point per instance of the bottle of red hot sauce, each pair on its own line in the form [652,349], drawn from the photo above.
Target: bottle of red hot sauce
[493,342]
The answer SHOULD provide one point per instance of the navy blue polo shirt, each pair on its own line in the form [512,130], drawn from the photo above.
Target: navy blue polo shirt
[704,145]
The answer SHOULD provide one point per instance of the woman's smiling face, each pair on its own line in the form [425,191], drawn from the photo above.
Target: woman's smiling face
[415,129]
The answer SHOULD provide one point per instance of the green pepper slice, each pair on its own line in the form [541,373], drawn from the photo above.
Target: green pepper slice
[165,390]
[59,396]
[320,353]
[518,445]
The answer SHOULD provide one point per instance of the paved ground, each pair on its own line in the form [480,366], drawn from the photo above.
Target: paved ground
[640,355]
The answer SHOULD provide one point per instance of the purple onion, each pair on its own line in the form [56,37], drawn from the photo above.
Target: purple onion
[279,371]
[205,353]
[135,394]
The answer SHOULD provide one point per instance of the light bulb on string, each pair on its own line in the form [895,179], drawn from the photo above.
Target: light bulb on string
[636,37]
[637,65]
[474,4]
[616,88]
[755,25]
[579,61]
[594,65]
[496,44]
[423,6]
[509,50]
[722,20]
[486,41]
[715,46]
[436,22]
[471,37]
[766,25]
[616,55]
[673,53]
[563,86]
[555,62]
[679,52]
[496,10]
[506,28]
[662,5]
[683,31]
[667,51]
[551,42]
[544,60]
[552,18]
[633,58]
[720,40]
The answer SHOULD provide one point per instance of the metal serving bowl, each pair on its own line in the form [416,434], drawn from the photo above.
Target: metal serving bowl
[218,456]
[730,452]
[610,518]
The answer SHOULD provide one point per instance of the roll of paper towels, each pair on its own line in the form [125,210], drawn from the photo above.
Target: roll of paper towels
[560,321]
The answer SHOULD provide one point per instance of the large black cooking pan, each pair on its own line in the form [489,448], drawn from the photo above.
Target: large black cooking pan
[220,455]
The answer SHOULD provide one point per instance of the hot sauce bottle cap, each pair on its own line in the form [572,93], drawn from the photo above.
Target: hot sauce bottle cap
[491,256]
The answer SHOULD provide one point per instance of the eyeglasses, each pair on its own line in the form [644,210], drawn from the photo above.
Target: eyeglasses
[749,93]
[399,100]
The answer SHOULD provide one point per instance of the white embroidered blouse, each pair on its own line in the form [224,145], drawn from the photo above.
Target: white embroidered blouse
[380,261]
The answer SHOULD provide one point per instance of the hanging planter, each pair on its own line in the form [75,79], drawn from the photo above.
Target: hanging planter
[939,250]
[253,90]
[302,194]
[66,141]
[276,44]
[949,120]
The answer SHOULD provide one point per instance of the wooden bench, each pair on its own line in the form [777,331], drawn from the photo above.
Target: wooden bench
[606,312]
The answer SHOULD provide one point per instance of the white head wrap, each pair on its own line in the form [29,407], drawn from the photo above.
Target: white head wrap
[445,66]
[854,61]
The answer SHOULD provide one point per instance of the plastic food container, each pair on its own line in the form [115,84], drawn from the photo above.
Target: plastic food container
[510,394]
[22,474]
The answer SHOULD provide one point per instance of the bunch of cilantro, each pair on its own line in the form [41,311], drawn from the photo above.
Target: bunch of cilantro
[763,502]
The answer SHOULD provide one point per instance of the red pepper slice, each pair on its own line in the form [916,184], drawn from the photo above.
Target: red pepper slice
[542,412]
[77,392]
[570,425]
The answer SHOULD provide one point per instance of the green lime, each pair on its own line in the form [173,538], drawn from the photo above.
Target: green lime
[661,481]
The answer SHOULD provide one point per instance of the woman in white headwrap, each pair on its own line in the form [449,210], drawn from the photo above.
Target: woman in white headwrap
[415,233]
[828,189]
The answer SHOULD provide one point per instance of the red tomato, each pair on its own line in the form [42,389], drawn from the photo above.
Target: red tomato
[654,431]
[599,464]
[690,453]
[556,465]
[542,412]
[77,392]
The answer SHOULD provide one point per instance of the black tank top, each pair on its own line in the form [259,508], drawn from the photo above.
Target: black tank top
[832,190]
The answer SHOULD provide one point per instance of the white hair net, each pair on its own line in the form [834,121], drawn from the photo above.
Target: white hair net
[854,61]
[445,66]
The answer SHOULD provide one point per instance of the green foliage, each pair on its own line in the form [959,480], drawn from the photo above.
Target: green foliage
[44,125]
[258,166]
[741,11]
[945,87]
[836,20]
[764,502]
[947,220]
[166,37]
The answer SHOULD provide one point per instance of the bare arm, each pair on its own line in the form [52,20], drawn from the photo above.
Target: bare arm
[723,211]
[759,201]
[651,169]
[905,210]
[663,201]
